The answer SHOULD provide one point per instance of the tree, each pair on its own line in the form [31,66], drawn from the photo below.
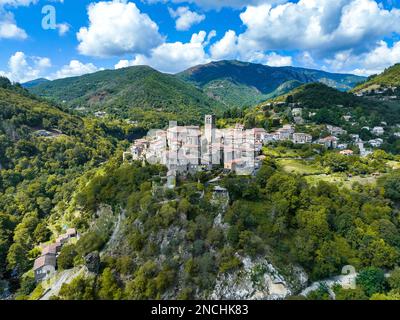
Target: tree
[372,280]
[80,288]
[392,187]
[394,280]
[350,294]
[331,257]
[109,289]
[66,258]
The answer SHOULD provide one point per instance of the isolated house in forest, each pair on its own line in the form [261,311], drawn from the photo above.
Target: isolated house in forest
[45,266]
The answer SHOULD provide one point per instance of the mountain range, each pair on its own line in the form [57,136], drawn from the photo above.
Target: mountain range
[205,88]
[239,84]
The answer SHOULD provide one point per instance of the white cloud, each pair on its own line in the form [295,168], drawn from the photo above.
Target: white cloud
[185,18]
[17,3]
[305,59]
[229,48]
[8,25]
[22,68]
[116,28]
[73,69]
[371,62]
[275,60]
[42,63]
[173,57]
[322,26]
[226,48]
[63,28]
[9,28]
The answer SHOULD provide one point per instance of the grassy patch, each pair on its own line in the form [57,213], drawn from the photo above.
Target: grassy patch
[395,165]
[342,180]
[301,167]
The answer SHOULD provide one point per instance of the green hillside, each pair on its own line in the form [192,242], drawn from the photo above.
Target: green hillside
[329,106]
[34,83]
[389,78]
[129,93]
[318,95]
[43,150]
[239,84]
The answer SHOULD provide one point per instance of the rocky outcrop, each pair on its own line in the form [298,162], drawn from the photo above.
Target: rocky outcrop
[258,280]
[92,262]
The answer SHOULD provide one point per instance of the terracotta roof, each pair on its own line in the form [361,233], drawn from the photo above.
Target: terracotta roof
[51,249]
[61,238]
[45,260]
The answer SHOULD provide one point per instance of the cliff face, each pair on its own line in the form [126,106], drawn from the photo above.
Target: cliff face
[258,280]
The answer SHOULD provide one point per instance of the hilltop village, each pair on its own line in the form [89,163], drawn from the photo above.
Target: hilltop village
[188,149]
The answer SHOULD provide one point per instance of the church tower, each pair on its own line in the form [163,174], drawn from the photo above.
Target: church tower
[210,127]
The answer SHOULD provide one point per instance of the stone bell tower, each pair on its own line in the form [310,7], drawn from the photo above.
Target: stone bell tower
[210,127]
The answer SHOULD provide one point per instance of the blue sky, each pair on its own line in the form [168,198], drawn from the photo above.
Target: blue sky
[352,36]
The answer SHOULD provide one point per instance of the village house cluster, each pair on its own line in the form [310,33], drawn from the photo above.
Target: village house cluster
[385,93]
[185,149]
[188,149]
[45,265]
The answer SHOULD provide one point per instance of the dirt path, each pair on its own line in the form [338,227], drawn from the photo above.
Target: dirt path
[344,281]
[114,237]
[61,278]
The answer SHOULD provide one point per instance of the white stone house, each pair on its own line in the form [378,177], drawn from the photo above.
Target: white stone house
[335,131]
[302,138]
[376,143]
[45,266]
[297,112]
[378,131]
[330,142]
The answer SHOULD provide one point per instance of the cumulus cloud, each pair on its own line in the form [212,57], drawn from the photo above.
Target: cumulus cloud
[368,63]
[322,26]
[275,60]
[117,28]
[185,18]
[9,28]
[22,68]
[173,57]
[229,48]
[226,48]
[73,69]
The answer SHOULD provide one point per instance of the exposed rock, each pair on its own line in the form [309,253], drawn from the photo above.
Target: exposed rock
[258,280]
[92,262]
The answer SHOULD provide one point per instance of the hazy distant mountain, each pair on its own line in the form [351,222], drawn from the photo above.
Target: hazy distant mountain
[241,83]
[34,83]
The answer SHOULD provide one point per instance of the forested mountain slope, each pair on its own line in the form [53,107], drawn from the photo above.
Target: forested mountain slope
[239,84]
[43,150]
[134,92]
